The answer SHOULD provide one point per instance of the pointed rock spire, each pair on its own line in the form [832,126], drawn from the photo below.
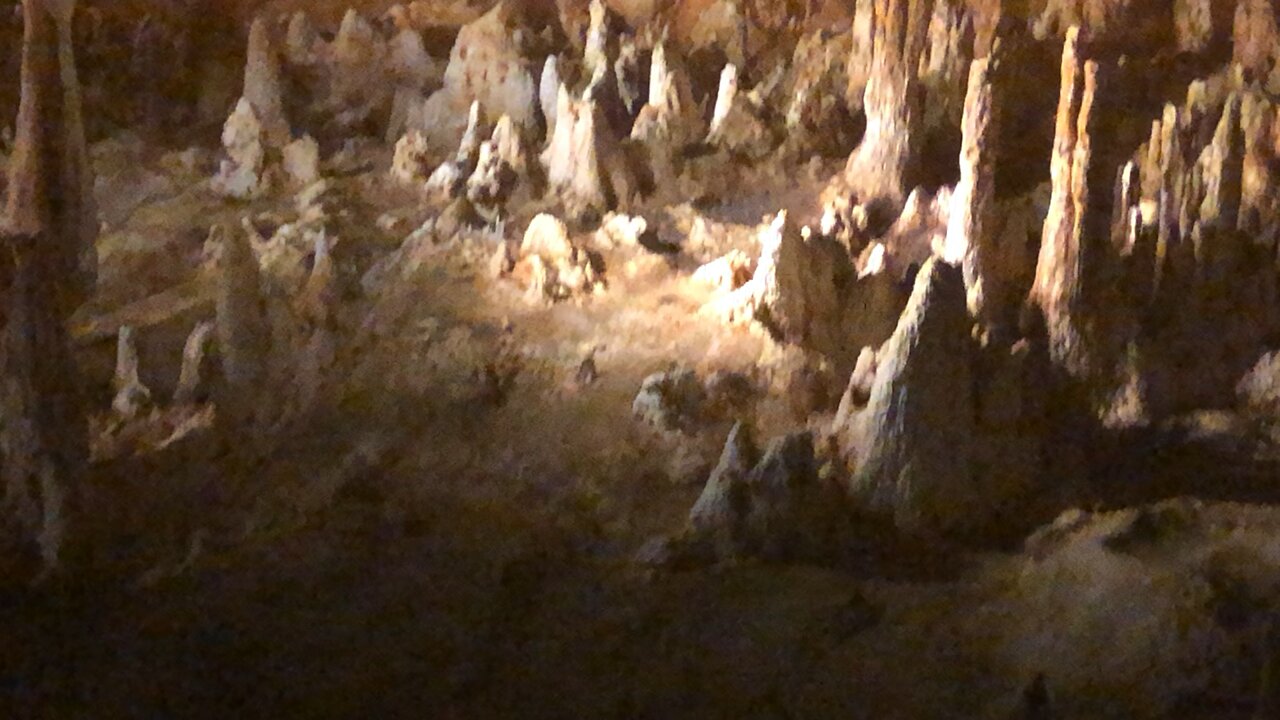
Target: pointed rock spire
[919,425]
[131,395]
[262,85]
[1062,286]
[971,237]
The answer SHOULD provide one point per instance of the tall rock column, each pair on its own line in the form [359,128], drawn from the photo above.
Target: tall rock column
[47,269]
[882,166]
[1062,284]
[970,237]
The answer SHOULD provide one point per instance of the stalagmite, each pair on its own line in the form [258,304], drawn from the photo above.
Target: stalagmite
[915,446]
[734,126]
[301,161]
[48,266]
[301,40]
[356,55]
[240,175]
[669,120]
[409,163]
[194,376]
[600,46]
[262,86]
[859,63]
[1062,288]
[131,395]
[548,91]
[971,240]
[574,159]
[244,334]
[1223,167]
[882,168]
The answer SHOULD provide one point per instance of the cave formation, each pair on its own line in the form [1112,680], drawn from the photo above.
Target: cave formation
[614,358]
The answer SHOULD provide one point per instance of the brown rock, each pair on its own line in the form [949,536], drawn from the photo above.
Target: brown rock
[1063,286]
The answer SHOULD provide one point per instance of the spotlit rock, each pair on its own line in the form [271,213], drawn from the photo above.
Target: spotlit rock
[734,125]
[409,164]
[302,161]
[1067,250]
[485,66]
[240,175]
[574,158]
[971,240]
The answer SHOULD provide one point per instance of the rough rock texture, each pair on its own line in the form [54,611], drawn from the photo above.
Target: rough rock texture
[735,126]
[1068,256]
[944,65]
[671,400]
[770,505]
[575,157]
[798,294]
[485,66]
[48,266]
[301,161]
[241,173]
[244,334]
[262,86]
[670,119]
[882,169]
[1255,33]
[916,445]
[410,163]
[357,53]
[971,241]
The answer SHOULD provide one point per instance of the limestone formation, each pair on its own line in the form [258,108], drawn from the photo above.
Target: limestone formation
[914,448]
[601,48]
[796,286]
[734,125]
[816,117]
[548,93]
[1222,164]
[241,173]
[131,396]
[772,505]
[485,66]
[882,168]
[548,238]
[492,183]
[1255,32]
[575,157]
[670,119]
[357,54]
[301,161]
[262,86]
[971,240]
[861,52]
[410,163]
[195,375]
[670,401]
[944,65]
[301,40]
[1063,285]
[244,334]
[48,267]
